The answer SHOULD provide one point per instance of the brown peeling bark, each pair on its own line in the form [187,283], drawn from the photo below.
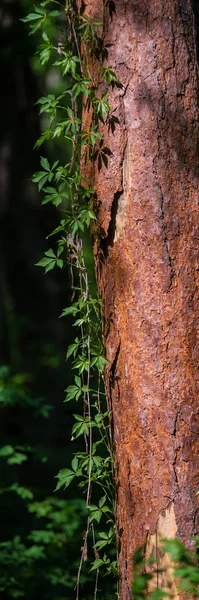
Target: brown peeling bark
[147,260]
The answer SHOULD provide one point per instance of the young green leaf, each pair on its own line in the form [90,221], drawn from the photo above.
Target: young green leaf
[65,476]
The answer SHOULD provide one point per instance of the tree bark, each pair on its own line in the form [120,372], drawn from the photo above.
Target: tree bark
[147,260]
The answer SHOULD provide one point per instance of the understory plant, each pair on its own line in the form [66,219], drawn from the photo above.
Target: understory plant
[39,532]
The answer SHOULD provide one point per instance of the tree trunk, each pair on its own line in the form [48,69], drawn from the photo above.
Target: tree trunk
[147,260]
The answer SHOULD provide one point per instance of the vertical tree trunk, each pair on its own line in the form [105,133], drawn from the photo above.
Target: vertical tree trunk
[147,261]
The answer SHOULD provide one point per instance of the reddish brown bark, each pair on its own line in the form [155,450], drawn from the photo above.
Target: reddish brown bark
[147,261]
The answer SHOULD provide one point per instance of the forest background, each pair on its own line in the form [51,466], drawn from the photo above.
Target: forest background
[41,531]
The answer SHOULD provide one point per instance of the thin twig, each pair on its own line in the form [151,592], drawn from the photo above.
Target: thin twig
[82,559]
[71,23]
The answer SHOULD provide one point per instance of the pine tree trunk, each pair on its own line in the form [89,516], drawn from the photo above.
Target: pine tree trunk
[147,260]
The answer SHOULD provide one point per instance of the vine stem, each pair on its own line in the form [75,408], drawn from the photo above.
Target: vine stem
[83,276]
[88,400]
[97,570]
[83,557]
[71,23]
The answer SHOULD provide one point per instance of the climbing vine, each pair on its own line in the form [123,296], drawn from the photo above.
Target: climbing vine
[66,187]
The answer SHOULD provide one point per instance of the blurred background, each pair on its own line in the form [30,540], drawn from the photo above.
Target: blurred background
[41,532]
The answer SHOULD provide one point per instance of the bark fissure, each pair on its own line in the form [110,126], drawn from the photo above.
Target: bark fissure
[113,369]
[175,450]
[107,242]
[113,383]
[195,7]
[186,18]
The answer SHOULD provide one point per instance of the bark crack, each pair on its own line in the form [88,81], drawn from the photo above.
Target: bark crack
[113,368]
[175,475]
[108,241]
[195,9]
[111,386]
[185,24]
[125,88]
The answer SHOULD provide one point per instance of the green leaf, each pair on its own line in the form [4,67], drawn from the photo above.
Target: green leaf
[44,163]
[54,13]
[59,263]
[95,513]
[176,549]
[42,182]
[79,322]
[72,392]
[50,266]
[82,426]
[78,381]
[158,594]
[17,458]
[6,451]
[101,544]
[70,310]
[43,262]
[105,509]
[45,136]
[73,348]
[24,493]
[97,564]
[74,463]
[79,418]
[48,261]
[35,552]
[40,9]
[45,37]
[96,516]
[42,536]
[50,253]
[110,77]
[58,131]
[102,501]
[31,17]
[38,176]
[65,476]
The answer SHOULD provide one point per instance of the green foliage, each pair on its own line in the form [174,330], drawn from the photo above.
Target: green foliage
[185,571]
[13,390]
[40,18]
[65,187]
[39,558]
[41,177]
[50,260]
[187,565]
[13,457]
